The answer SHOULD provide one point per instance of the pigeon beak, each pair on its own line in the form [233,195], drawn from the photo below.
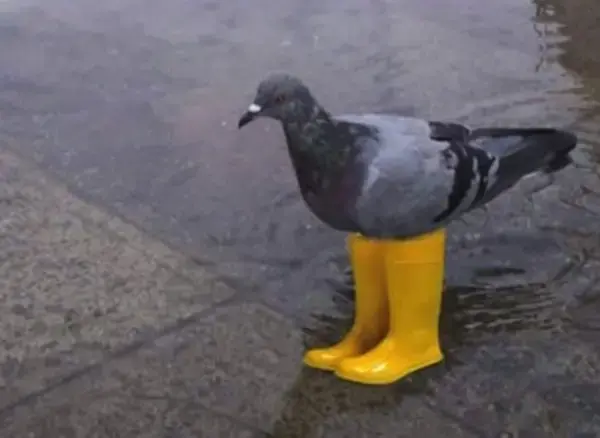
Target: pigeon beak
[249,115]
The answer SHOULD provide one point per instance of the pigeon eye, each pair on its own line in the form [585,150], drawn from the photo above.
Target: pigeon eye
[280,98]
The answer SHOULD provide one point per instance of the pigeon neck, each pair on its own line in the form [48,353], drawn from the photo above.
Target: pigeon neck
[317,149]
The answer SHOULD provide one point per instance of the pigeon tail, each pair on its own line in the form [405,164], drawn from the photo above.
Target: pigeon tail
[536,149]
[524,151]
[565,143]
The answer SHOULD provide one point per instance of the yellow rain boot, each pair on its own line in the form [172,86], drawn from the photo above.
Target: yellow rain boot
[415,273]
[371,313]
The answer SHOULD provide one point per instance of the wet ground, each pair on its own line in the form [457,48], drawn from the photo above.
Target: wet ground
[120,116]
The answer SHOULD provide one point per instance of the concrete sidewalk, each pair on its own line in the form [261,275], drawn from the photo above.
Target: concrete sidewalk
[81,289]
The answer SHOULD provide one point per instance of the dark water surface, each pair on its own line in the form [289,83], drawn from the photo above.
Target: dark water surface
[134,104]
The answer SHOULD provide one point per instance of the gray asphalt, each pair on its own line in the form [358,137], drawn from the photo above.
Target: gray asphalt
[162,278]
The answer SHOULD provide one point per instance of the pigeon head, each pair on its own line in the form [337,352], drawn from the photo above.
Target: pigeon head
[281,97]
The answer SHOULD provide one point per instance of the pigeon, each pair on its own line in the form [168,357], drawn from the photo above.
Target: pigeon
[386,176]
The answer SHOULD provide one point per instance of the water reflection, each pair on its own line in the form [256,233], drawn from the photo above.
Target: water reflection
[568,29]
[572,30]
[471,313]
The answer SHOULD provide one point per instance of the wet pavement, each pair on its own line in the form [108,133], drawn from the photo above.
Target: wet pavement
[161,276]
